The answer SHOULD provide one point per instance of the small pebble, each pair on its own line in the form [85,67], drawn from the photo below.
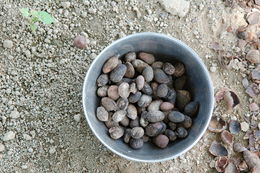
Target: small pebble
[181,132]
[52,150]
[133,98]
[148,58]
[171,135]
[244,126]
[131,112]
[155,116]
[253,56]
[148,74]
[101,114]
[136,143]
[137,132]
[130,71]
[118,73]
[102,80]
[119,115]
[112,92]
[147,89]
[15,114]
[80,41]
[144,101]
[129,57]
[123,90]
[116,132]
[166,106]
[176,117]
[157,64]
[162,90]
[168,68]
[108,104]
[140,82]
[122,103]
[102,91]
[110,64]
[155,105]
[161,141]
[179,69]
[213,69]
[253,107]
[160,76]
[8,136]
[154,129]
[139,65]
[8,44]
[2,147]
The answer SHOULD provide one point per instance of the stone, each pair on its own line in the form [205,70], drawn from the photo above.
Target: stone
[52,150]
[27,137]
[9,136]
[253,107]
[244,126]
[2,147]
[8,44]
[14,114]
[253,18]
[253,56]
[77,117]
[65,4]
[176,7]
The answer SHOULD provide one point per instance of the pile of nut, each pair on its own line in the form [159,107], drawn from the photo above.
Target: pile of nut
[144,100]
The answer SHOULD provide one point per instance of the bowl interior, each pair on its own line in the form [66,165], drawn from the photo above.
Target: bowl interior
[165,49]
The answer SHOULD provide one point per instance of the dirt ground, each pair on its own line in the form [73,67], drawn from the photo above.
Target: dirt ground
[41,79]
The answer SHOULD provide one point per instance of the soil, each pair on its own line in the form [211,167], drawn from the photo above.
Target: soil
[41,78]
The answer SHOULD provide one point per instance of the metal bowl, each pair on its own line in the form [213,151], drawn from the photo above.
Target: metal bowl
[166,49]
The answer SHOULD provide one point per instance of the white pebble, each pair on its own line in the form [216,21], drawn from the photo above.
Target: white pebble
[52,150]
[65,4]
[9,136]
[213,69]
[27,137]
[15,114]
[2,147]
[77,117]
[30,150]
[24,166]
[244,126]
[8,44]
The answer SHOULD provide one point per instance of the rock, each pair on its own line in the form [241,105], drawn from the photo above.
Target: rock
[180,82]
[133,88]
[155,116]
[134,123]
[123,90]
[27,137]
[245,83]
[125,122]
[168,68]
[166,106]
[253,107]
[110,64]
[8,136]
[176,7]
[77,117]
[130,71]
[119,115]
[102,91]
[157,64]
[112,92]
[155,105]
[131,112]
[52,150]
[256,73]
[102,114]
[127,135]
[118,73]
[80,41]
[191,108]
[65,4]
[161,141]
[154,129]
[108,104]
[176,117]
[140,82]
[234,127]
[116,132]
[244,126]
[253,56]
[122,103]
[162,90]
[179,69]
[144,101]
[133,98]
[160,76]
[8,44]
[137,132]
[148,74]
[14,114]
[147,89]
[172,125]
[2,147]
[139,65]
[154,87]
[253,18]
[148,58]
[129,57]
[102,80]
[171,135]
[183,98]
[217,149]
[187,123]
[171,96]
[136,143]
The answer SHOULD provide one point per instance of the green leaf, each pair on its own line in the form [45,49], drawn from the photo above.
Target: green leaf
[45,17]
[25,12]
[33,27]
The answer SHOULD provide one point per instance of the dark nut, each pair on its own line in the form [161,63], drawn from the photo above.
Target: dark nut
[123,90]
[155,105]
[168,68]
[108,104]
[127,135]
[130,56]
[191,108]
[119,115]
[133,98]
[125,122]
[171,135]
[155,129]
[161,141]
[148,73]
[179,70]
[162,90]
[157,64]
[180,82]
[113,92]
[110,64]
[172,125]
[136,143]
[102,80]
[102,91]
[134,123]
[102,114]
[160,76]
[131,112]
[140,82]
[147,57]
[187,123]
[176,117]
[137,132]
[139,65]
[116,132]
[183,98]
[144,101]
[118,73]
[130,71]
[122,103]
[155,116]
[181,132]
[147,89]
[166,106]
